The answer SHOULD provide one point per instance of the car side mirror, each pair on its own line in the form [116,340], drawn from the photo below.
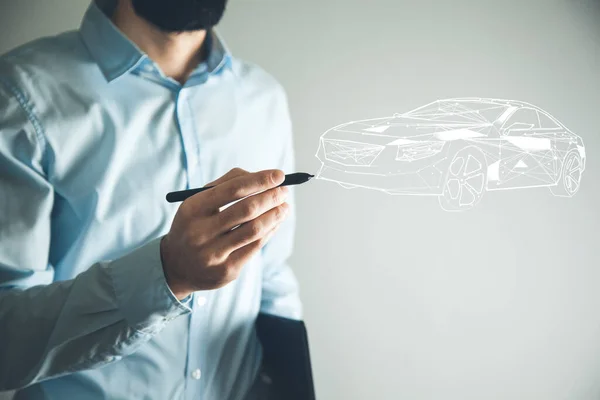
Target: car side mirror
[519,126]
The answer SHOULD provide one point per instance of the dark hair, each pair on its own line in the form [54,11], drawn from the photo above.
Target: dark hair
[181,15]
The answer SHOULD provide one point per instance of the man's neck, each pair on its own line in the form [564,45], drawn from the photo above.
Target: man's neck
[177,54]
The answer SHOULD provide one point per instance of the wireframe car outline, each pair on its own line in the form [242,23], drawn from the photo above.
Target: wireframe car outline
[455,149]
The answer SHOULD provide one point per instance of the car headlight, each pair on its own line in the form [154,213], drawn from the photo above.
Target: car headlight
[351,153]
[417,150]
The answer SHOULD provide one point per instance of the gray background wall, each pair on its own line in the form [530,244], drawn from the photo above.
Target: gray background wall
[403,300]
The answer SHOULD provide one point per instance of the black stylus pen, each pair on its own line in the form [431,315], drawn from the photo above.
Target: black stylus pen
[291,179]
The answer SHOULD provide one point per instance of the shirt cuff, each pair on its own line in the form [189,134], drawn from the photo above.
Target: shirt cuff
[141,289]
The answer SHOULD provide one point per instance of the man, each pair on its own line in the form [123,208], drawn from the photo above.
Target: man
[106,290]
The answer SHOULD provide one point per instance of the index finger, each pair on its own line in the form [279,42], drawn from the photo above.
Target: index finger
[234,173]
[239,187]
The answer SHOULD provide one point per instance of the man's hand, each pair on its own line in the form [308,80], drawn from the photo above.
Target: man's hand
[202,251]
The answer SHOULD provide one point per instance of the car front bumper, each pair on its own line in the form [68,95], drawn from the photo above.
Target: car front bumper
[427,181]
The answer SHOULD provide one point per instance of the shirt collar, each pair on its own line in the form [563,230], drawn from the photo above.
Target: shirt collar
[116,55]
[219,55]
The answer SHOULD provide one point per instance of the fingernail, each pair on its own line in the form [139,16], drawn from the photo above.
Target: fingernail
[284,190]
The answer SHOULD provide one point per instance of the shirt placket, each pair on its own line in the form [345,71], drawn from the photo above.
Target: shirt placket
[189,137]
[195,379]
[191,146]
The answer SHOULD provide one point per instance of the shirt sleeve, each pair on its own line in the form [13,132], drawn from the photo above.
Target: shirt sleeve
[47,328]
[280,292]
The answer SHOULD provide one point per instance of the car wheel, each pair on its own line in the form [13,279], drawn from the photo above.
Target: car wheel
[465,180]
[570,176]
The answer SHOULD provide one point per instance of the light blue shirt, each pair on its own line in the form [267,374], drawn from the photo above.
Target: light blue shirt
[92,137]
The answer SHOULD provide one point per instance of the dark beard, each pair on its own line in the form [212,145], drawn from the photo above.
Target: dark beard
[180,15]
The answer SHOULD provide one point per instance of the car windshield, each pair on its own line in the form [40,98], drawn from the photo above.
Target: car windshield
[459,111]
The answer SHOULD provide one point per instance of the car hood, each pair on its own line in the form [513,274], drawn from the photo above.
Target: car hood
[405,130]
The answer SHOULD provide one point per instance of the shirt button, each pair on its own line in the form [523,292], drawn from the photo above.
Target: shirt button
[196,374]
[266,379]
[200,301]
